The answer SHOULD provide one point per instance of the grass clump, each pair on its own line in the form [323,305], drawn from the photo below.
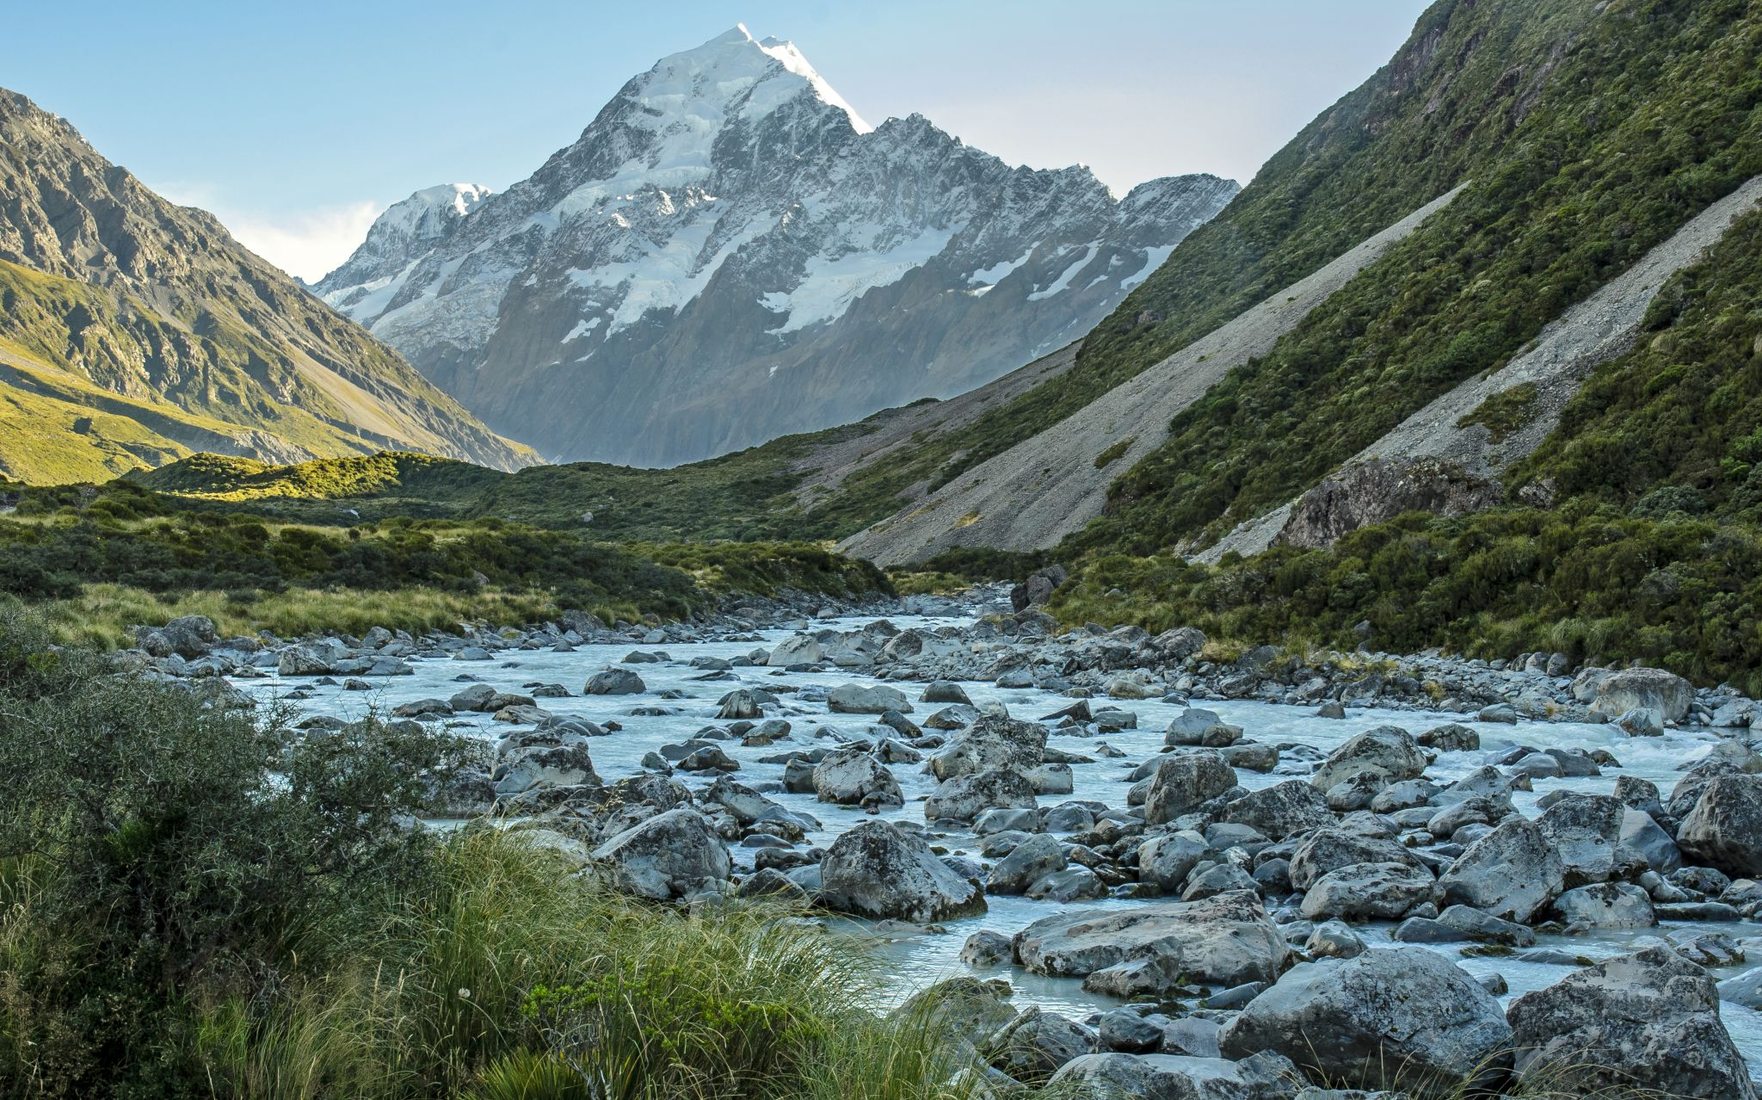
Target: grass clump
[197,903]
[1504,412]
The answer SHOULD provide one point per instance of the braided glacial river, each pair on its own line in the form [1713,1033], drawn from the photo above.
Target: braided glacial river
[681,703]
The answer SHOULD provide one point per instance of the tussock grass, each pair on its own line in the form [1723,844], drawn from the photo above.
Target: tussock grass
[103,615]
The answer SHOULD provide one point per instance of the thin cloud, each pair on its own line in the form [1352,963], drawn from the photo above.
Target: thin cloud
[307,243]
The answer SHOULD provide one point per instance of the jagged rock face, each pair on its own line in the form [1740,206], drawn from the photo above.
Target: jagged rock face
[728,253]
[1381,489]
[210,347]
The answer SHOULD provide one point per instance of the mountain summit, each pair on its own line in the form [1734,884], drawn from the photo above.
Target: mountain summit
[729,253]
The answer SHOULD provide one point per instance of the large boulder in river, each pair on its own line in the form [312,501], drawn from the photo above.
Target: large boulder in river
[563,764]
[802,649]
[1403,1018]
[1646,1022]
[1282,810]
[1586,830]
[965,797]
[1184,780]
[1118,1076]
[992,742]
[614,681]
[867,699]
[1644,688]
[1512,872]
[668,856]
[1224,940]
[1725,827]
[853,777]
[1369,891]
[1328,850]
[877,870]
[1388,752]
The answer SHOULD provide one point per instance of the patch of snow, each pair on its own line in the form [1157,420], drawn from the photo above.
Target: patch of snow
[1153,259]
[582,328]
[828,286]
[1060,284]
[997,272]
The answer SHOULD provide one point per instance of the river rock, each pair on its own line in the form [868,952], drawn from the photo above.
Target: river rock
[1648,688]
[533,766]
[965,797]
[1368,891]
[1586,830]
[1026,864]
[1184,780]
[1118,1076]
[1512,872]
[1725,827]
[879,871]
[668,856]
[614,681]
[1389,752]
[802,649]
[1645,1021]
[867,699]
[1224,940]
[1279,811]
[1032,1047]
[1167,859]
[1402,1017]
[1328,850]
[853,777]
[1605,905]
[944,691]
[992,742]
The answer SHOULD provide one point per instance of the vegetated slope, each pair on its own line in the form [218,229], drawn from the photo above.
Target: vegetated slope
[1049,485]
[1586,133]
[816,486]
[133,331]
[728,253]
[1643,541]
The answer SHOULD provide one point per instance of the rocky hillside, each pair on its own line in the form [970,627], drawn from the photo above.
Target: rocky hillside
[134,332]
[729,253]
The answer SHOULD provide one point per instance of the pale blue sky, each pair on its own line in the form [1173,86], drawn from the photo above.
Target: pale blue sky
[296,123]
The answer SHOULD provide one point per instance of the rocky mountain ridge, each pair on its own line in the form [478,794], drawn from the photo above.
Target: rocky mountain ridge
[729,253]
[135,332]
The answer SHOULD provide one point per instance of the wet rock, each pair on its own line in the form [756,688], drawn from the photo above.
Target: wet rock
[1328,850]
[1224,940]
[1605,905]
[1451,737]
[986,949]
[1512,872]
[1461,924]
[1277,812]
[1167,859]
[1586,830]
[614,681]
[543,765]
[670,855]
[965,797]
[853,777]
[867,699]
[1026,864]
[1725,827]
[1645,1021]
[1650,688]
[992,743]
[1388,752]
[944,691]
[1183,781]
[1403,1017]
[1032,1047]
[877,870]
[1114,1076]
[1368,891]
[1333,940]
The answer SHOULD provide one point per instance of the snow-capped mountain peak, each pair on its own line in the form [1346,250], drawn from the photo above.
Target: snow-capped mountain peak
[729,252]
